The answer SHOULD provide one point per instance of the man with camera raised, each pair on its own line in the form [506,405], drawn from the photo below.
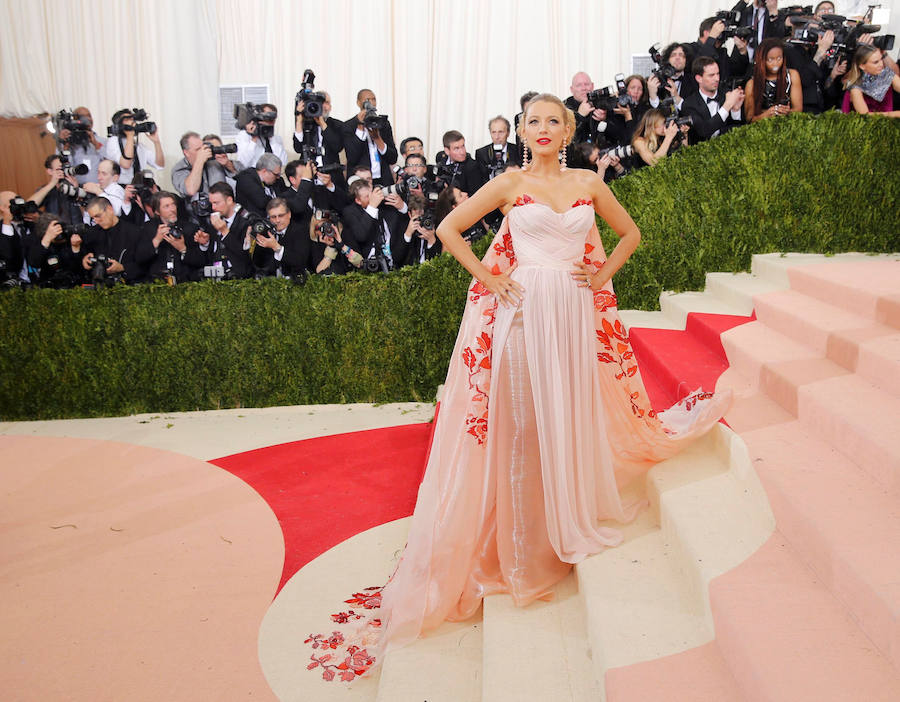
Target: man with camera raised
[456,167]
[226,244]
[420,243]
[362,231]
[170,238]
[257,133]
[327,132]
[369,140]
[709,43]
[198,170]
[256,186]
[52,199]
[54,252]
[85,146]
[113,250]
[283,248]
[124,148]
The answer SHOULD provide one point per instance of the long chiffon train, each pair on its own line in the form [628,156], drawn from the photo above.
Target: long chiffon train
[544,421]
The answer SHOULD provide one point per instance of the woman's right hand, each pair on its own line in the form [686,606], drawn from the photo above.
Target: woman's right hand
[671,130]
[507,290]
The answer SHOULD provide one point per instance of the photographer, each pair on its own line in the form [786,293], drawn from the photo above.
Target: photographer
[198,170]
[84,144]
[256,186]
[284,249]
[411,145]
[712,110]
[678,57]
[494,157]
[456,167]
[577,101]
[362,231]
[709,44]
[231,166]
[53,253]
[170,238]
[604,161]
[821,87]
[258,137]
[369,140]
[330,253]
[123,146]
[774,89]
[227,242]
[112,250]
[638,103]
[300,190]
[420,243]
[329,138]
[655,138]
[12,248]
[53,201]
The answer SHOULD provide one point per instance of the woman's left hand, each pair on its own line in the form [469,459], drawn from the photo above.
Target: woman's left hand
[585,277]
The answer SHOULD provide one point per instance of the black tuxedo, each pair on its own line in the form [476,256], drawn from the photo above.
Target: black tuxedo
[361,231]
[705,126]
[12,250]
[332,141]
[64,271]
[122,242]
[484,157]
[250,192]
[468,175]
[357,151]
[158,266]
[227,248]
[325,199]
[297,256]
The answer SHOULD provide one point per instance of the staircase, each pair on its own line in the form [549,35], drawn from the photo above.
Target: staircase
[768,567]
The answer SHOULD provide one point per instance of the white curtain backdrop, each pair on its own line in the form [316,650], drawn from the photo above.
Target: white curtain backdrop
[433,64]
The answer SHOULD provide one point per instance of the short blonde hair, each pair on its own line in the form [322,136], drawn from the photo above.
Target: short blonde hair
[568,115]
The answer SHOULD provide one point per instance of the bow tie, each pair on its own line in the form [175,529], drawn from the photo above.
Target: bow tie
[710,99]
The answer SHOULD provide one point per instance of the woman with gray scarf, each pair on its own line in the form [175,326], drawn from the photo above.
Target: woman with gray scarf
[869,83]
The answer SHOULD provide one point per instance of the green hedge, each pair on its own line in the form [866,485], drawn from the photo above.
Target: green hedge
[799,183]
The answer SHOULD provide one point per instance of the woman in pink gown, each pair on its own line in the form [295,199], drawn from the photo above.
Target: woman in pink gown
[544,418]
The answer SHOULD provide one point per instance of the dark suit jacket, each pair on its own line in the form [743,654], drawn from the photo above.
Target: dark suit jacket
[124,243]
[361,231]
[469,176]
[332,141]
[357,151]
[250,192]
[485,156]
[297,255]
[228,248]
[705,126]
[736,64]
[157,267]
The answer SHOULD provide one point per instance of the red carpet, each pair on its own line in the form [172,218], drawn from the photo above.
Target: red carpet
[326,490]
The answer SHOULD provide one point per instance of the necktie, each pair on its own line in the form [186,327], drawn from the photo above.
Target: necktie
[267,145]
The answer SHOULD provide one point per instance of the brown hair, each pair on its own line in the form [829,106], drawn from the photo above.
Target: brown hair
[759,73]
[854,73]
[567,114]
[644,95]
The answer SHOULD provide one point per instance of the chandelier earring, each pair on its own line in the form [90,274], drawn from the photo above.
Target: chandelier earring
[526,160]
[562,155]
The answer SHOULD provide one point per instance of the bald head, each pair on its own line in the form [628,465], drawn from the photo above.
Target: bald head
[581,85]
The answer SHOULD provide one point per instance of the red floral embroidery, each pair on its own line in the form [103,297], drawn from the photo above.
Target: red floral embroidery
[691,401]
[583,201]
[349,660]
[504,247]
[523,200]
[477,359]
[477,291]
[618,351]
[604,299]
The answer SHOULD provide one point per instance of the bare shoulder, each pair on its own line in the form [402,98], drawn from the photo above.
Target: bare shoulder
[584,182]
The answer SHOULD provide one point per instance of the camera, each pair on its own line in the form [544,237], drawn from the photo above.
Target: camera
[497,165]
[807,31]
[175,230]
[140,126]
[68,230]
[144,184]
[732,20]
[98,268]
[403,186]
[603,99]
[663,71]
[328,221]
[680,121]
[373,120]
[65,163]
[19,208]
[79,127]
[201,206]
[313,102]
[260,226]
[74,192]
[224,149]
[247,112]
[770,96]
[619,152]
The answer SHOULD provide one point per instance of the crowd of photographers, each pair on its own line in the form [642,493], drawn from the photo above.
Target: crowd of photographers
[354,199]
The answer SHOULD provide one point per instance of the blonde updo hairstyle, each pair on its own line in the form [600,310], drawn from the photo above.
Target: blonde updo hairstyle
[568,115]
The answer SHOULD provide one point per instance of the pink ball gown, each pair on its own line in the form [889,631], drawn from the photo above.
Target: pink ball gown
[543,422]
